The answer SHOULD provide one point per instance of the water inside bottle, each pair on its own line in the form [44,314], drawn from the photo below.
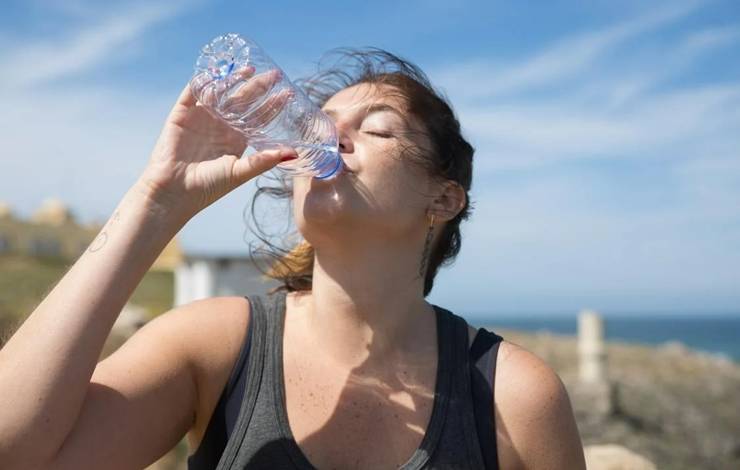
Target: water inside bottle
[324,147]
[319,160]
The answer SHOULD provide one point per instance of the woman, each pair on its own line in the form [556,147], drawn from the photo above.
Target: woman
[347,366]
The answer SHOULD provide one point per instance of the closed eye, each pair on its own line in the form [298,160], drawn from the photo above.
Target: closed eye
[382,135]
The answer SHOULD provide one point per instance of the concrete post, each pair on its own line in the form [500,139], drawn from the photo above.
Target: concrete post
[591,348]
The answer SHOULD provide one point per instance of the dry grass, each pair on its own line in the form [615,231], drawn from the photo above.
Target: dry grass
[25,281]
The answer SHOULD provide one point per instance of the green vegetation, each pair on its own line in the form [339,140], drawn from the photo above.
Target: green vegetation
[25,281]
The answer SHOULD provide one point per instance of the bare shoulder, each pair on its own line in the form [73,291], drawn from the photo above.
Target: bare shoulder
[215,331]
[216,321]
[535,425]
[209,334]
[158,386]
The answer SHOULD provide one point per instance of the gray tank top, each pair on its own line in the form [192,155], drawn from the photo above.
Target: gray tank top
[460,433]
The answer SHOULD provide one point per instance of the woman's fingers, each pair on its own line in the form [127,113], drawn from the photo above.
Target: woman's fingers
[199,84]
[236,102]
[240,99]
[248,167]
[244,73]
[260,83]
[267,111]
[208,89]
[187,97]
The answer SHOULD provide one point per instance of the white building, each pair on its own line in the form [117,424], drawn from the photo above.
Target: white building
[202,276]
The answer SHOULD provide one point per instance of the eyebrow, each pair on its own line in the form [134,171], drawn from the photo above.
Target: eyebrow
[375,108]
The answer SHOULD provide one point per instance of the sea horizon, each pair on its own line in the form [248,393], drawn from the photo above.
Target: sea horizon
[716,333]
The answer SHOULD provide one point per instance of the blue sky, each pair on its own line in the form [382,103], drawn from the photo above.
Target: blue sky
[607,134]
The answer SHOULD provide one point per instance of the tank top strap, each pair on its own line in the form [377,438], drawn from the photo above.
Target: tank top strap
[472,418]
[261,308]
[464,390]
[483,354]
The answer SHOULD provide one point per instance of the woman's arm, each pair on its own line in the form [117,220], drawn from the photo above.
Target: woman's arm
[161,383]
[536,427]
[46,366]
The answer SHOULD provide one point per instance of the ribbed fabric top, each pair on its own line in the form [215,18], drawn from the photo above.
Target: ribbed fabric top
[249,428]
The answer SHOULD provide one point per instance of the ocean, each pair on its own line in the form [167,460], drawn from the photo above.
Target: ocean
[714,334]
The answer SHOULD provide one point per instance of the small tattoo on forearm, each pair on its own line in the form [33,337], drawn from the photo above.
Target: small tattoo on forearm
[102,237]
[99,242]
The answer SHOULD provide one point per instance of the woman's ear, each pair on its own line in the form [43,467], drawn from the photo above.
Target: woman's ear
[449,202]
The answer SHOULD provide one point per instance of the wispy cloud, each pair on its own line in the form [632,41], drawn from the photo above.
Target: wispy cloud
[561,60]
[49,59]
[678,124]
[671,62]
[606,111]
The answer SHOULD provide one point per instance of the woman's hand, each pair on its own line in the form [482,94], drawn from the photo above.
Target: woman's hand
[196,158]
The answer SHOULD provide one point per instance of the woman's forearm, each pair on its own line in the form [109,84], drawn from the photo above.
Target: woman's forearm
[45,367]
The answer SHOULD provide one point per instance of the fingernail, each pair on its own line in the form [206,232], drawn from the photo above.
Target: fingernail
[288,158]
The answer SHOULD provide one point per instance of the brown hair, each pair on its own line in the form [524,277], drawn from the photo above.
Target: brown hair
[450,157]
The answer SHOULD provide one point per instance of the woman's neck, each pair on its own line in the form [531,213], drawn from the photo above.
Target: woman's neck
[369,308]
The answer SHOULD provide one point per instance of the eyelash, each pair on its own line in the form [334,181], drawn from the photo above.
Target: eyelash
[380,134]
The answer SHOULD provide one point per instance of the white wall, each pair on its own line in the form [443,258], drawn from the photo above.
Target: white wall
[202,277]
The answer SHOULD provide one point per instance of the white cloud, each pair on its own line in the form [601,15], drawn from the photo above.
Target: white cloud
[606,111]
[671,62]
[480,78]
[43,60]
[668,125]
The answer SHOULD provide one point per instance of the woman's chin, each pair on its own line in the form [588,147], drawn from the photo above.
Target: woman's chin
[323,209]
[324,201]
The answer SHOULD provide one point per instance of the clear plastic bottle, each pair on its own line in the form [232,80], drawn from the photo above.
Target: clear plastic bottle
[298,123]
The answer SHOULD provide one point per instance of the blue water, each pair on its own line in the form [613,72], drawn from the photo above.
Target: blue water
[714,334]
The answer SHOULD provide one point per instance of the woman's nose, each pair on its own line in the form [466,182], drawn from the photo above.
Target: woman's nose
[345,141]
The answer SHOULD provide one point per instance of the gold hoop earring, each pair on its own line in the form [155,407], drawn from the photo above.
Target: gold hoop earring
[427,248]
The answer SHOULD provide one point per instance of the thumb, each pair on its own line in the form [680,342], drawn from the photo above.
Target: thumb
[253,165]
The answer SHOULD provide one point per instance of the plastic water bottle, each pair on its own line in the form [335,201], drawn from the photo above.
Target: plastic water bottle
[298,123]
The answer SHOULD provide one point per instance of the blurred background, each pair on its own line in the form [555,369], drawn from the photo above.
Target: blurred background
[606,189]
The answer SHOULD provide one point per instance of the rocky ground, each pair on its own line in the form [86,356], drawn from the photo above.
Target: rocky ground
[678,407]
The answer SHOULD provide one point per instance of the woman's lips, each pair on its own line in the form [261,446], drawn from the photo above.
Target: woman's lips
[347,166]
[343,167]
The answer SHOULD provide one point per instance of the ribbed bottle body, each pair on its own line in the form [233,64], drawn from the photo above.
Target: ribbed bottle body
[281,115]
